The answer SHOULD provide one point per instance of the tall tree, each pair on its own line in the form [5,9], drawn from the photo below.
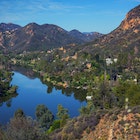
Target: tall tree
[44,116]
[62,114]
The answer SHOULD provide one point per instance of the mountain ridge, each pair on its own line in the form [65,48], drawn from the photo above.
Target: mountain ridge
[34,37]
[8,27]
[86,36]
[125,37]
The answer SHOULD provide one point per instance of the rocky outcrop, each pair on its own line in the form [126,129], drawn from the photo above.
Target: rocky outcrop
[125,38]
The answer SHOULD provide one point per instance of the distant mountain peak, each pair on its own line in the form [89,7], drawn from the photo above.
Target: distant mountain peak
[31,26]
[8,27]
[86,36]
[49,36]
[34,37]
[75,30]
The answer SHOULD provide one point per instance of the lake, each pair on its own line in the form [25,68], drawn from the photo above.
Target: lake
[32,92]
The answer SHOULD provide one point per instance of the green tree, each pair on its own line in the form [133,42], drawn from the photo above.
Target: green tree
[19,113]
[127,90]
[55,125]
[44,116]
[62,115]
[89,108]
[133,93]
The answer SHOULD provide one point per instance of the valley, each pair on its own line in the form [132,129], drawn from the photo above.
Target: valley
[105,68]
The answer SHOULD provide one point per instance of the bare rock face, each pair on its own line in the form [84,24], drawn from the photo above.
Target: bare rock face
[126,37]
[130,25]
[132,20]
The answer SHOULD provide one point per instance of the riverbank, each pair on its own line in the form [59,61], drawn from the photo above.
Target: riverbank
[31,92]
[6,90]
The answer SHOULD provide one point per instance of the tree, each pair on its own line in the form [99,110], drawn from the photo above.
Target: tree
[104,94]
[55,125]
[62,115]
[23,128]
[89,108]
[127,90]
[44,116]
[19,113]
[84,110]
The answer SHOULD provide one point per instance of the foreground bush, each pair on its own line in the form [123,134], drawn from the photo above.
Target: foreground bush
[22,128]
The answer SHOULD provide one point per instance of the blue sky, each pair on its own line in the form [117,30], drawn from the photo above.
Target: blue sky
[84,15]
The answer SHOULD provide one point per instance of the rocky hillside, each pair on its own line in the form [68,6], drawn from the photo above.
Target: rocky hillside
[8,27]
[124,38]
[103,125]
[34,37]
[119,125]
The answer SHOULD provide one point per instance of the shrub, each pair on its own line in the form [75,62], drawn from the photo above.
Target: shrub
[23,128]
[114,117]
[55,125]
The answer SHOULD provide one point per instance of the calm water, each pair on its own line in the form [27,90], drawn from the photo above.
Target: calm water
[32,92]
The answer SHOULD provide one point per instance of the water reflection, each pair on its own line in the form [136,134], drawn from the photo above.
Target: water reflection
[7,99]
[9,103]
[78,94]
[32,92]
[25,71]
[1,104]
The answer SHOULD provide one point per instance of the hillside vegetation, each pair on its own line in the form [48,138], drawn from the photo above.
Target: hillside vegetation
[106,69]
